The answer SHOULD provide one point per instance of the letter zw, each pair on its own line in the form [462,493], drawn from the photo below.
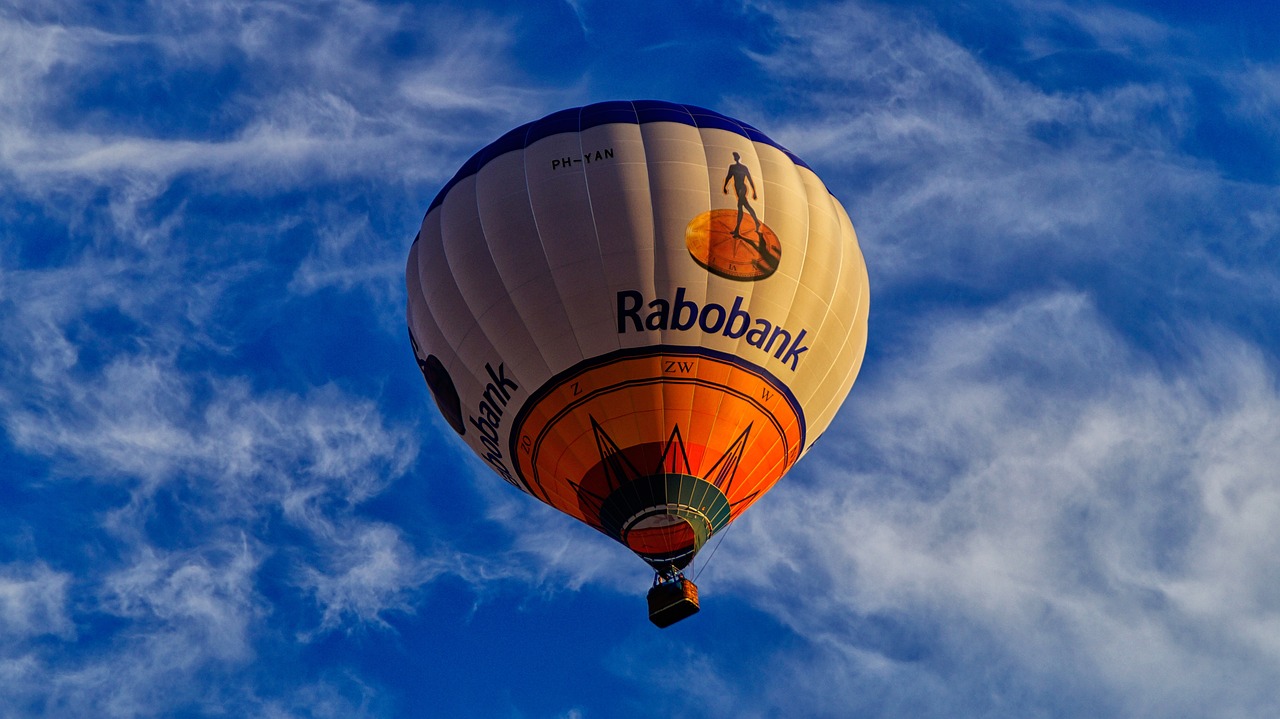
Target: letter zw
[683,314]
[493,403]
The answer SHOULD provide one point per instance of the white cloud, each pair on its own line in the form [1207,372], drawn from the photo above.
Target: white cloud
[110,380]
[1112,29]
[368,572]
[957,171]
[189,614]
[1257,97]
[314,99]
[33,602]
[347,255]
[1020,504]
[200,605]
[344,697]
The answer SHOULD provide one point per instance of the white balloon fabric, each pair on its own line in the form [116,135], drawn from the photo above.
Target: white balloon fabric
[641,313]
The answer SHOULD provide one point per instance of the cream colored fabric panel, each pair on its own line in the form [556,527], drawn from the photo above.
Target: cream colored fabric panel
[555,172]
[468,227]
[821,272]
[440,291]
[502,196]
[797,316]
[858,337]
[523,273]
[678,186]
[422,324]
[719,147]
[431,344]
[458,342]
[622,210]
[787,208]
[449,332]
[854,293]
[817,296]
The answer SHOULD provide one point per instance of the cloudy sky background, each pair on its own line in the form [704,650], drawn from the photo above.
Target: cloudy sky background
[224,490]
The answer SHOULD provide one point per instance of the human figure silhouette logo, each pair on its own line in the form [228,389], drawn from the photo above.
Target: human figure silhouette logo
[718,242]
[741,177]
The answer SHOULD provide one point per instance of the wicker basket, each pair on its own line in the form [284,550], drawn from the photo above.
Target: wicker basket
[670,602]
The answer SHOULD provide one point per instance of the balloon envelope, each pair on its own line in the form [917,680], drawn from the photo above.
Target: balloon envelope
[641,313]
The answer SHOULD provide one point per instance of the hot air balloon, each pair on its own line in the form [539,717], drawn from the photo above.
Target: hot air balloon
[642,314]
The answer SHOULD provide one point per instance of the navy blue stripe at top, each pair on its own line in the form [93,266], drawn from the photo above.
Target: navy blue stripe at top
[577,119]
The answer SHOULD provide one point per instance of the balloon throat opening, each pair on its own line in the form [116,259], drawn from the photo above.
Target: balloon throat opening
[665,518]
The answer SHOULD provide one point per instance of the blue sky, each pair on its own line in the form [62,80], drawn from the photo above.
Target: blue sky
[225,491]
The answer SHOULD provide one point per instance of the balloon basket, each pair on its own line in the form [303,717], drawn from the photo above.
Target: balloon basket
[669,602]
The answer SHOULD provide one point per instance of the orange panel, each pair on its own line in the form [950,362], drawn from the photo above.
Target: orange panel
[595,430]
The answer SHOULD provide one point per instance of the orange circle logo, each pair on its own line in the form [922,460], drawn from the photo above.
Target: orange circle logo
[732,246]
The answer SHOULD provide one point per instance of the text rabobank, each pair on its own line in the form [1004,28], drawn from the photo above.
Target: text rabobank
[492,406]
[680,313]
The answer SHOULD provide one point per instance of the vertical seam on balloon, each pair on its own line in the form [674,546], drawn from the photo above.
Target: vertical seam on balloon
[649,188]
[456,364]
[680,491]
[488,249]
[653,215]
[702,300]
[846,259]
[749,291]
[457,369]
[413,286]
[586,189]
[706,290]
[538,231]
[635,418]
[837,398]
[595,227]
[662,410]
[475,318]
[573,330]
[658,497]
[809,201]
[791,317]
[582,352]
[846,384]
[751,288]
[551,276]
[714,421]
[840,244]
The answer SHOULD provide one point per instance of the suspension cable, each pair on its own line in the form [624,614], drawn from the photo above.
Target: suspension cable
[714,549]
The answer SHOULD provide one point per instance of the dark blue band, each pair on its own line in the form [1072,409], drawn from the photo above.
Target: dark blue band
[578,119]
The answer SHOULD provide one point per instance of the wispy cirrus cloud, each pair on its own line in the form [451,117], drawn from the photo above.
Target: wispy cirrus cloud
[128,359]
[288,94]
[966,173]
[33,602]
[206,473]
[190,612]
[1024,509]
[1024,503]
